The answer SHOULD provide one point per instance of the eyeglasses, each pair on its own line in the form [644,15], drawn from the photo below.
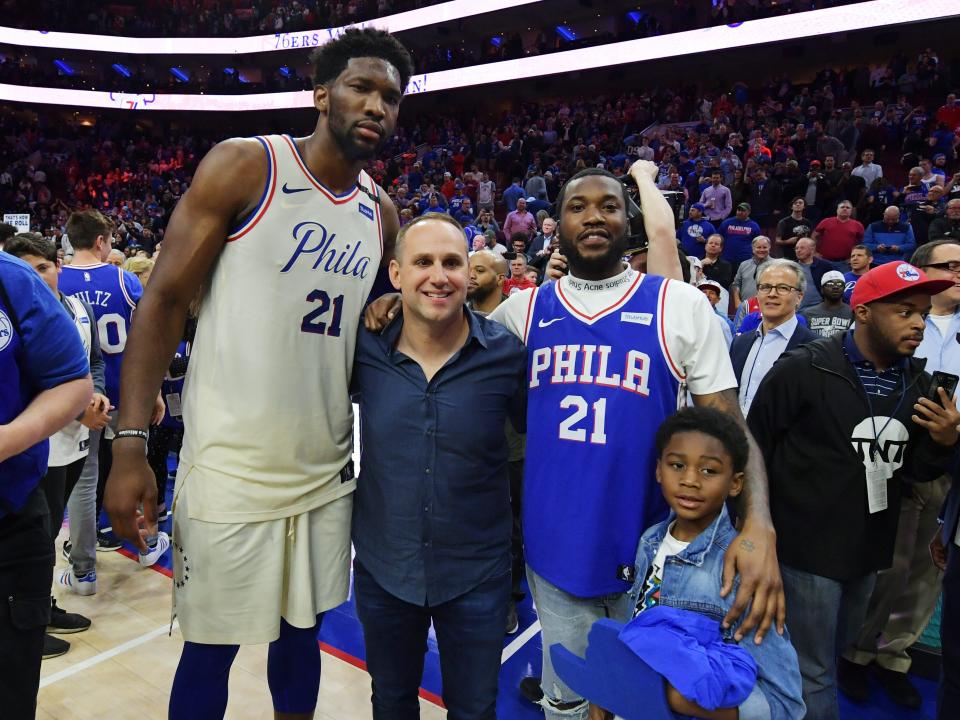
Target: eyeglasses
[951,266]
[766,289]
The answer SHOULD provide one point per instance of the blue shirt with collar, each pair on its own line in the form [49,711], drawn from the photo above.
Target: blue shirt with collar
[767,348]
[942,352]
[431,515]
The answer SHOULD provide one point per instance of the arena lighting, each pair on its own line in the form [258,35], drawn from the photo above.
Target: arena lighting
[179,74]
[423,17]
[121,69]
[63,67]
[566,33]
[846,18]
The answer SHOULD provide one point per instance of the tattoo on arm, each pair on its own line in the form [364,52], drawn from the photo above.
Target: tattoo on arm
[756,500]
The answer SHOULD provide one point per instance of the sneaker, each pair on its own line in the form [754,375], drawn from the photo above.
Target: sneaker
[80,584]
[67,547]
[531,690]
[153,553]
[162,512]
[64,623]
[898,686]
[54,647]
[853,680]
[107,543]
[513,623]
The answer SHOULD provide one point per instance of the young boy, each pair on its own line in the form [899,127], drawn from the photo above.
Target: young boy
[701,460]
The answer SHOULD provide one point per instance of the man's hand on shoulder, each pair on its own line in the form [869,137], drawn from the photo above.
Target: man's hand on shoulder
[381,312]
[753,556]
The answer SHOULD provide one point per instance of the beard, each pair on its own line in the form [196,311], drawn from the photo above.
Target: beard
[340,132]
[481,293]
[580,266]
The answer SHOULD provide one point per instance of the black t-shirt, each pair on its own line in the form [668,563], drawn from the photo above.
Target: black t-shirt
[788,228]
[721,271]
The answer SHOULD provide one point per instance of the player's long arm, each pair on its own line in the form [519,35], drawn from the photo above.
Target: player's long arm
[662,258]
[230,174]
[756,493]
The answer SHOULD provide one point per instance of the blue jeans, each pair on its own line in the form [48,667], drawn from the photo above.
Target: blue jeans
[566,619]
[469,633]
[824,617]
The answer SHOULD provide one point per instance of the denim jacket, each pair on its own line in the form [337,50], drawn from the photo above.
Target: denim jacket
[691,581]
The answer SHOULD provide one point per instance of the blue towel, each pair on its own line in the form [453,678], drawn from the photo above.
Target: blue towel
[688,649]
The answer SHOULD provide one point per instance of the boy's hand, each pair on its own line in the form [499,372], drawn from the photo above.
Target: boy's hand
[753,556]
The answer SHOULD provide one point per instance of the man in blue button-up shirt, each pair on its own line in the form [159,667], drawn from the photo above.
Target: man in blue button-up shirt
[432,519]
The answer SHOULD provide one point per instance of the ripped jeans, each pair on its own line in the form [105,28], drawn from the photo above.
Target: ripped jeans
[567,619]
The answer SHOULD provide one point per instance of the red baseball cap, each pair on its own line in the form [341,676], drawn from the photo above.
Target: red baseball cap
[893,278]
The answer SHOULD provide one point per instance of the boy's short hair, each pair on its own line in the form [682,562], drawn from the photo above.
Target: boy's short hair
[709,421]
[31,243]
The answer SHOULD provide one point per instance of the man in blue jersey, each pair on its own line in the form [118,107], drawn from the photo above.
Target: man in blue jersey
[113,294]
[610,352]
[44,384]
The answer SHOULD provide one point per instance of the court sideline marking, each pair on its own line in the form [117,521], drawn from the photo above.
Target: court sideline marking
[106,655]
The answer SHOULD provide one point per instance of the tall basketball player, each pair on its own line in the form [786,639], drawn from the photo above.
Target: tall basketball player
[285,236]
[611,353]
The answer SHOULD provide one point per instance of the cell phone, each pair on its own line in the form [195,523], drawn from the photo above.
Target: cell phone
[942,380]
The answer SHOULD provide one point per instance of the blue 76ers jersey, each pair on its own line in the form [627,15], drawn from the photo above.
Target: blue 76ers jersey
[599,387]
[113,294]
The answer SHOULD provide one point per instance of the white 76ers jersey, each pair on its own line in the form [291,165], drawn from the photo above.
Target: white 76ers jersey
[268,423]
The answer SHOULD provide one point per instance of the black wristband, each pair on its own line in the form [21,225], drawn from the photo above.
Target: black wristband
[142,434]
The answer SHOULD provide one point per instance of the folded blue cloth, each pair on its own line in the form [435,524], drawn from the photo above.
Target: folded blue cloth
[688,649]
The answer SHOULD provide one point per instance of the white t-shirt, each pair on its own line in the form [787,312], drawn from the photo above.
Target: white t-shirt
[650,594]
[692,335]
[942,322]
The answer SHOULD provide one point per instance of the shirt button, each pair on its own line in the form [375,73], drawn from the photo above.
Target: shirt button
[426,508]
[426,544]
[427,471]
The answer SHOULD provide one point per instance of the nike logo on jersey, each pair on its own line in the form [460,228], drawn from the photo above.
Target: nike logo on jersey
[548,323]
[291,191]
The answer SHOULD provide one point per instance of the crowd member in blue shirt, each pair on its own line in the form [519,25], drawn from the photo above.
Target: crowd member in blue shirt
[738,234]
[44,384]
[890,239]
[702,457]
[861,259]
[694,232]
[512,194]
[432,520]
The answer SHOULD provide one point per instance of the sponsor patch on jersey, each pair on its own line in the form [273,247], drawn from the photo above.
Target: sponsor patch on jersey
[364,210]
[635,317]
[6,330]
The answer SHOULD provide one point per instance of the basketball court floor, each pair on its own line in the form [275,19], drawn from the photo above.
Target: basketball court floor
[122,667]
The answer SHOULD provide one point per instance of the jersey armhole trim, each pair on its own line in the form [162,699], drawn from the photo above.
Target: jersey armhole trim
[661,331]
[265,199]
[376,209]
[526,324]
[123,288]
